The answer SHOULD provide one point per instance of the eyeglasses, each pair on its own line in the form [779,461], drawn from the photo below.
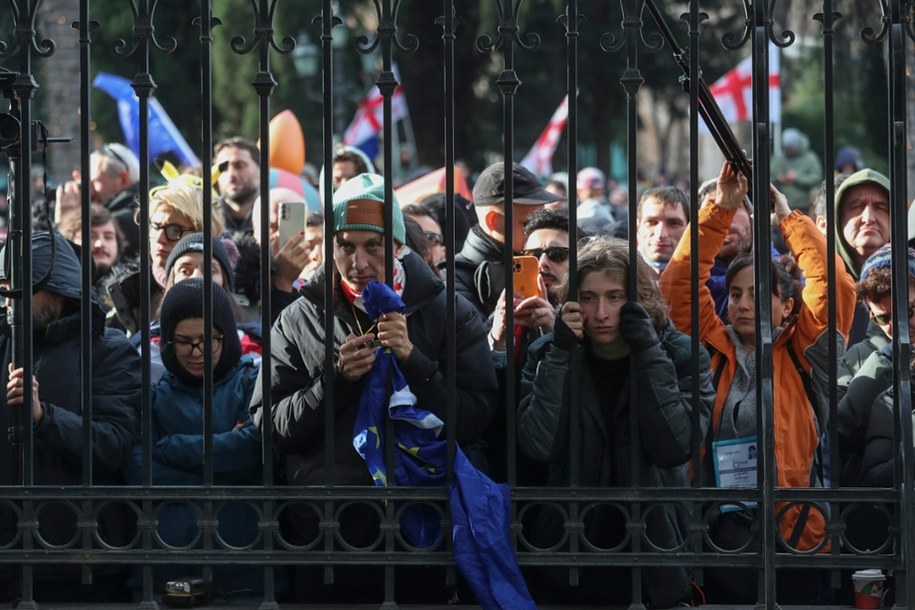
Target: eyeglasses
[883,319]
[173,232]
[434,238]
[556,254]
[186,348]
[108,151]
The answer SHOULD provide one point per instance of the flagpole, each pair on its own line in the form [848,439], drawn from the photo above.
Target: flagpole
[396,167]
[407,121]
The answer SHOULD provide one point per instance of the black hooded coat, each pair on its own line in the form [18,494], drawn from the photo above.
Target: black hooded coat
[58,437]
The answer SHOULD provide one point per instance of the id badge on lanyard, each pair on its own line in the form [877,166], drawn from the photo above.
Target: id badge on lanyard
[735,466]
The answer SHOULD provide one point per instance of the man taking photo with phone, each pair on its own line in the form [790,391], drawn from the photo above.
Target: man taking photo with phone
[479,269]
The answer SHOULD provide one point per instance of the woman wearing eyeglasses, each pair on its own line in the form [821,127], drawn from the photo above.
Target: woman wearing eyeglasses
[800,374]
[178,429]
[176,210]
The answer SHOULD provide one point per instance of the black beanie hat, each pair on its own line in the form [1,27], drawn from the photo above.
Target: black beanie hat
[194,243]
[185,300]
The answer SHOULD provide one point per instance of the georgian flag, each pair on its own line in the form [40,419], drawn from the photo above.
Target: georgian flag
[539,159]
[364,130]
[734,91]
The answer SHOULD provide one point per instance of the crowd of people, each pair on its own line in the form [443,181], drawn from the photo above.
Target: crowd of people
[621,330]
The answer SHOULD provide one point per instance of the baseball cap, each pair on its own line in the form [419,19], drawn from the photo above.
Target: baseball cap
[590,178]
[526,188]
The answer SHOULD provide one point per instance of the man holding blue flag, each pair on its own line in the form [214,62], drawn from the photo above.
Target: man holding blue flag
[415,336]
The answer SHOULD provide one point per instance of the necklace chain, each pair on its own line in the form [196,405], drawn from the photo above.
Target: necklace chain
[358,324]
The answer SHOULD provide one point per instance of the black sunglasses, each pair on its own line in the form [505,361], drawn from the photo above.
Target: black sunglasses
[434,238]
[883,319]
[108,151]
[556,254]
[173,232]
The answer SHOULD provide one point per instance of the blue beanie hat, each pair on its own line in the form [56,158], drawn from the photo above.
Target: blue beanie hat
[359,206]
[882,259]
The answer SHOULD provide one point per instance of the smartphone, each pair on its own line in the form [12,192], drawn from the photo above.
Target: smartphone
[292,220]
[525,271]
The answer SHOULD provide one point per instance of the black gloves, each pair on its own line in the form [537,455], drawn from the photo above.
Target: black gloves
[636,328]
[563,337]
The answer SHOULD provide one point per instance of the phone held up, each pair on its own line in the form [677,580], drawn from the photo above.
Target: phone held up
[525,271]
[292,220]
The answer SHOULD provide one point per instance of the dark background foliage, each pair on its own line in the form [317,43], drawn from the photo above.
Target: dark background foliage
[860,87]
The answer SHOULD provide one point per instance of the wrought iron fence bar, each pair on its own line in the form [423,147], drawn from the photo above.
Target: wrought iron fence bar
[86,322]
[760,29]
[900,15]
[632,81]
[827,18]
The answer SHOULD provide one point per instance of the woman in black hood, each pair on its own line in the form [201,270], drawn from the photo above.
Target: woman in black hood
[178,429]
[181,323]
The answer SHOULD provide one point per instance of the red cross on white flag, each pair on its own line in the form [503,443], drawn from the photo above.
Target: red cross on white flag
[734,91]
[539,159]
[369,117]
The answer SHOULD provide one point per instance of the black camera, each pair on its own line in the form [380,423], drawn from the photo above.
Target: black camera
[9,121]
[9,131]
[186,592]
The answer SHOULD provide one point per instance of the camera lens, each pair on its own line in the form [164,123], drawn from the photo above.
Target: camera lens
[9,130]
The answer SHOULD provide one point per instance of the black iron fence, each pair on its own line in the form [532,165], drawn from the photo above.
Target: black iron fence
[27,553]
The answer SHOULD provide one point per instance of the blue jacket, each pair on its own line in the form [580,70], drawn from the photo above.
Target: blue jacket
[177,459]
[178,432]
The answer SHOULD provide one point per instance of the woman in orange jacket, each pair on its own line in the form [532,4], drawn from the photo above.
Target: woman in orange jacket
[800,358]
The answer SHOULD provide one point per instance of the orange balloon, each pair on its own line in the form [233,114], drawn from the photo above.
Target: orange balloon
[287,143]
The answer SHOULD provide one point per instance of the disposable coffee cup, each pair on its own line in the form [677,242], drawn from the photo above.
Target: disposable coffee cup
[868,588]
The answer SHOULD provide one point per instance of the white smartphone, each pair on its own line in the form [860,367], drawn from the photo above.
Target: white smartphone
[292,220]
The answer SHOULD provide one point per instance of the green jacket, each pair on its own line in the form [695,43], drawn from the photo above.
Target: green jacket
[808,173]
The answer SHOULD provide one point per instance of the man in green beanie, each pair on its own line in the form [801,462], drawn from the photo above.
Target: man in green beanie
[417,338]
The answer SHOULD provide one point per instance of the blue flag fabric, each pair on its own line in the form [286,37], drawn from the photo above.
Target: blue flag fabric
[480,508]
[164,137]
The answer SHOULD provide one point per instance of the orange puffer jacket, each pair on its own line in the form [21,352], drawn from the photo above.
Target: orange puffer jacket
[796,432]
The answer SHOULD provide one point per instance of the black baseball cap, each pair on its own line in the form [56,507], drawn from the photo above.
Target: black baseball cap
[526,188]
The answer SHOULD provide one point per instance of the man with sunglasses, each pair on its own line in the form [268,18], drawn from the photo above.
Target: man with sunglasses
[115,172]
[431,230]
[877,466]
[547,240]
[238,160]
